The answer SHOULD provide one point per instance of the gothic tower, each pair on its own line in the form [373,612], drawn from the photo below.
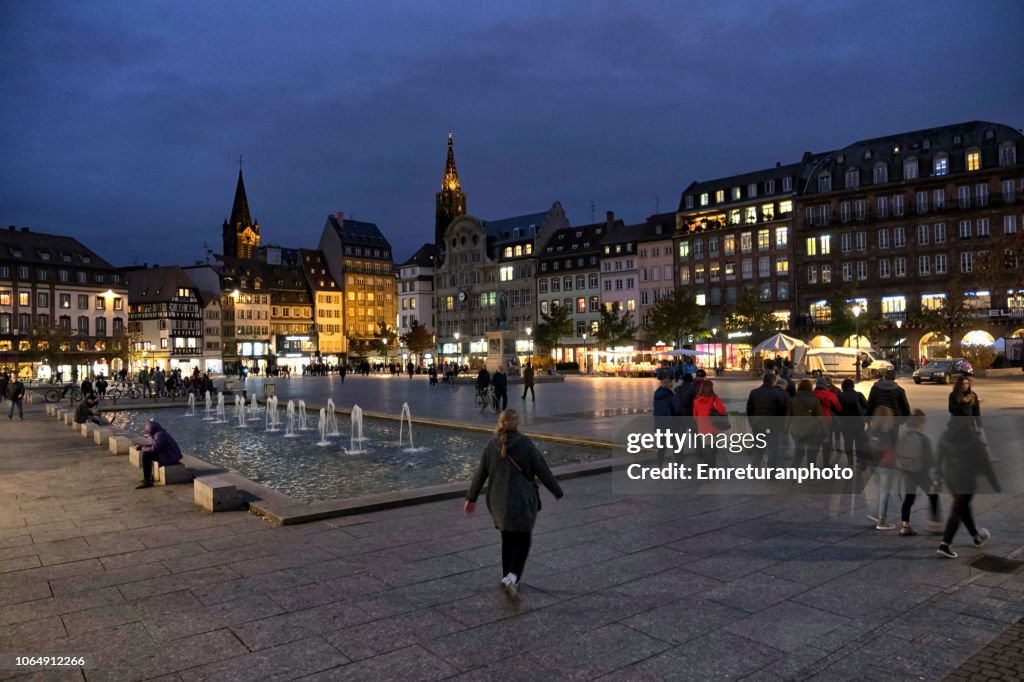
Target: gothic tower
[451,202]
[241,234]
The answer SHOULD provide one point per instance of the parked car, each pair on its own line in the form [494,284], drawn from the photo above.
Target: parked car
[943,371]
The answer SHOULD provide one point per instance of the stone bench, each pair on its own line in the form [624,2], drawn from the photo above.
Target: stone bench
[89,428]
[101,435]
[51,409]
[69,418]
[172,474]
[122,444]
[215,495]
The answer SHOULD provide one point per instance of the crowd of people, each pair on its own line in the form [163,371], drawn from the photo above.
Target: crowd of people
[880,434]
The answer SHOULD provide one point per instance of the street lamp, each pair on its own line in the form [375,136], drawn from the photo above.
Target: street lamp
[586,358]
[714,338]
[856,317]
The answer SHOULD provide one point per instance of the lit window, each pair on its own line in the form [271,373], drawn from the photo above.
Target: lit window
[973,160]
[941,164]
[704,199]
[812,246]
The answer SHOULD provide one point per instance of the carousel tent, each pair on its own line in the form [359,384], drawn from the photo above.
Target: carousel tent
[779,343]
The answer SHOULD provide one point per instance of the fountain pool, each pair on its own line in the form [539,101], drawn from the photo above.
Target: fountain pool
[298,468]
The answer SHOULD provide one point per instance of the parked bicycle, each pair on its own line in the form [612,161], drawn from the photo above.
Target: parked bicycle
[55,395]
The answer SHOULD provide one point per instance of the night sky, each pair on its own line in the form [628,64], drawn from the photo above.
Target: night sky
[122,122]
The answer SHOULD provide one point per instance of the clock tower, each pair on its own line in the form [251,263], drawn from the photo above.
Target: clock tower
[451,201]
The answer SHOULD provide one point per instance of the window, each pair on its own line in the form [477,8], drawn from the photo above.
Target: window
[812,246]
[933,301]
[750,215]
[542,286]
[713,246]
[940,264]
[83,302]
[826,274]
[747,268]
[5,297]
[963,194]
[812,274]
[923,234]
[781,237]
[764,266]
[592,280]
[1009,224]
[42,300]
[752,190]
[900,266]
[983,227]
[852,178]
[883,268]
[922,202]
[785,207]
[698,274]
[83,325]
[981,194]
[689,201]
[101,303]
[883,238]
[704,199]
[1008,192]
[782,291]
[556,284]
[846,242]
[737,193]
[746,242]
[23,301]
[581,282]
[763,240]
[782,265]
[765,291]
[897,204]
[939,199]
[940,233]
[715,270]
[899,237]
[567,284]
[825,182]
[101,326]
[844,211]
[862,241]
[1007,154]
[941,164]
[684,275]
[910,169]
[924,266]
[684,249]
[734,217]
[880,173]
[769,187]
[973,160]
[820,312]
[965,229]
[862,270]
[787,184]
[966,261]
[720,196]
[581,305]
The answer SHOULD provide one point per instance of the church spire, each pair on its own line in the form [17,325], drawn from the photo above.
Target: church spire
[240,233]
[451,201]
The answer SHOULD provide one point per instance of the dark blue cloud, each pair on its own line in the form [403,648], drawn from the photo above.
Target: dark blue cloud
[123,120]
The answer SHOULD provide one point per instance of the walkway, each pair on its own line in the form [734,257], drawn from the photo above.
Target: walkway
[145,586]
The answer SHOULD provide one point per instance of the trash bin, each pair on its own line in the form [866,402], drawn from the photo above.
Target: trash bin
[268,390]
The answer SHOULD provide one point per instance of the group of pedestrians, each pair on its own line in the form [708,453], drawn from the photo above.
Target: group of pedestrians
[816,422]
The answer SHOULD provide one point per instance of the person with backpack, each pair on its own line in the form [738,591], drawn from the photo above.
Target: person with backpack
[963,458]
[511,463]
[806,425]
[765,405]
[917,466]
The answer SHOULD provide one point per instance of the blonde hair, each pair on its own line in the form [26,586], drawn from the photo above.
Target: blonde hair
[508,422]
[882,419]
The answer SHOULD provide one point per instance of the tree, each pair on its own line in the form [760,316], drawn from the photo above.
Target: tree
[952,316]
[844,324]
[552,327]
[48,345]
[747,314]
[382,339]
[418,340]
[615,328]
[676,317]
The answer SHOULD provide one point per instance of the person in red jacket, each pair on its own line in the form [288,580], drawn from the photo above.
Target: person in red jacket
[704,404]
[825,394]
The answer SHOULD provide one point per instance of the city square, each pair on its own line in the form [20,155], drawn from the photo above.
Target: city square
[423,341]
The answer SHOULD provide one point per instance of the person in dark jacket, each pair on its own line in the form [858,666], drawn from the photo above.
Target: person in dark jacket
[500,383]
[963,458]
[483,379]
[807,424]
[887,393]
[16,393]
[787,374]
[853,407]
[528,381]
[5,381]
[88,411]
[665,403]
[964,402]
[686,393]
[767,407]
[163,449]
[511,462]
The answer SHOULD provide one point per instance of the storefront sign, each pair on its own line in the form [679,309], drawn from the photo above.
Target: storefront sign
[477,346]
[450,348]
[740,335]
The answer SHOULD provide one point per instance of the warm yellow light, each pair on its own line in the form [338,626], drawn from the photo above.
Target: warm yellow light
[109,293]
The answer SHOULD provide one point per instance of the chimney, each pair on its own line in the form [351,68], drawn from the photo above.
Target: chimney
[340,215]
[609,219]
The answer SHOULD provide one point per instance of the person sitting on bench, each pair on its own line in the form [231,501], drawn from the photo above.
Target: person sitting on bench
[88,411]
[164,450]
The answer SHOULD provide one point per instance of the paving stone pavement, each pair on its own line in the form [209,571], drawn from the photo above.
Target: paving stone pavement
[147,586]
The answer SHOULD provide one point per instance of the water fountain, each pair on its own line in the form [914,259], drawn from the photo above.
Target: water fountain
[322,427]
[209,408]
[303,426]
[289,425]
[406,414]
[254,410]
[221,412]
[356,434]
[273,418]
[191,405]
[332,419]
[240,410]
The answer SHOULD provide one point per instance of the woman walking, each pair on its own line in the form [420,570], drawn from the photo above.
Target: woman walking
[963,457]
[882,442]
[511,462]
[963,402]
[707,407]
[917,465]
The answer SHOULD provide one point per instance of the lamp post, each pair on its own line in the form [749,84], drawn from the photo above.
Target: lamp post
[856,317]
[529,342]
[458,348]
[714,340]
[586,358]
[899,343]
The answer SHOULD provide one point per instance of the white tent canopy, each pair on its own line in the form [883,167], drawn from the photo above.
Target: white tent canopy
[779,342]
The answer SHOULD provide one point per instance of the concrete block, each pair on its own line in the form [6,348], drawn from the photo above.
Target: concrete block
[69,418]
[120,444]
[134,456]
[101,435]
[215,495]
[58,412]
[51,409]
[171,474]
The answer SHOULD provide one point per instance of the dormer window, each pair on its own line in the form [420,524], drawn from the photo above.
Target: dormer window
[973,159]
[852,178]
[880,173]
[825,182]
[941,164]
[910,168]
[1007,154]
